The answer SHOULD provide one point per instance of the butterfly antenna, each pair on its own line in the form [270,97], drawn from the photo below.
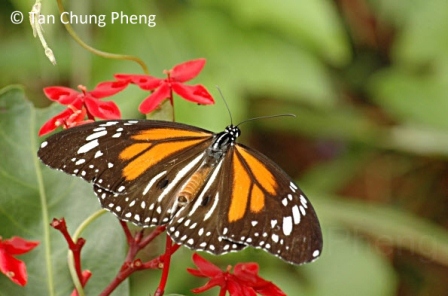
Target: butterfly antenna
[227,106]
[266,117]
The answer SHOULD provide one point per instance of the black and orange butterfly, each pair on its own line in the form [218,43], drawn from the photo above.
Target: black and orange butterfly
[212,194]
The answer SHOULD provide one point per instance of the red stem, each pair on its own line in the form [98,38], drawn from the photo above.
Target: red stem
[130,265]
[166,267]
[127,232]
[59,224]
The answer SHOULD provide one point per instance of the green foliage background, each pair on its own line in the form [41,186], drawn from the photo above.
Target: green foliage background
[367,79]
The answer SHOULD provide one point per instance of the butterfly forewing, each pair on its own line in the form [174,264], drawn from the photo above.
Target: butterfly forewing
[135,166]
[269,211]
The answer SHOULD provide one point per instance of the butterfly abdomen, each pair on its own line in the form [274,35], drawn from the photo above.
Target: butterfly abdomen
[194,184]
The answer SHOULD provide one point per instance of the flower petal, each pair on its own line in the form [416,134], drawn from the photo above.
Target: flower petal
[13,268]
[247,274]
[55,122]
[100,109]
[108,88]
[61,94]
[219,281]
[145,82]
[150,103]
[195,272]
[205,267]
[17,245]
[235,288]
[188,70]
[193,93]
[270,290]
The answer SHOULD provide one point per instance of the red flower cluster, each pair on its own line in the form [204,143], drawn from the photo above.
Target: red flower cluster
[10,266]
[81,104]
[163,88]
[87,103]
[244,281]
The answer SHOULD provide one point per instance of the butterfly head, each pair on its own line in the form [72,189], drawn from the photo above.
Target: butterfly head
[233,131]
[223,141]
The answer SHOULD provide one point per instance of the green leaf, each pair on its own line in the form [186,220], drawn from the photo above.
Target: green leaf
[33,194]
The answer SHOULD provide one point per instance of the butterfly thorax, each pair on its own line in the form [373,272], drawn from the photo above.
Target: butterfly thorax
[194,184]
[223,141]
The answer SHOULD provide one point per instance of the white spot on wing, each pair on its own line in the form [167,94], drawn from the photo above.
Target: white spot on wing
[80,161]
[44,144]
[109,123]
[88,146]
[296,214]
[303,201]
[96,135]
[287,225]
[316,253]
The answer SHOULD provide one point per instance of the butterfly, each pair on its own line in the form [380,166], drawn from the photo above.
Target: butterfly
[212,193]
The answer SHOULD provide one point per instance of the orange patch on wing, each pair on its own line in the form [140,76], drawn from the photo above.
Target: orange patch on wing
[259,170]
[133,150]
[256,200]
[240,192]
[154,155]
[167,133]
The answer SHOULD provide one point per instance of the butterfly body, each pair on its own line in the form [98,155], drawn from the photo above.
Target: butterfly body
[212,193]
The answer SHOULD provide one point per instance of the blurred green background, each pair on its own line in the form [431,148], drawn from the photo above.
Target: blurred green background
[367,79]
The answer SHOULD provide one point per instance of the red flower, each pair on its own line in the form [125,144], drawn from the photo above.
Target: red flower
[245,280]
[10,266]
[81,104]
[72,116]
[163,88]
